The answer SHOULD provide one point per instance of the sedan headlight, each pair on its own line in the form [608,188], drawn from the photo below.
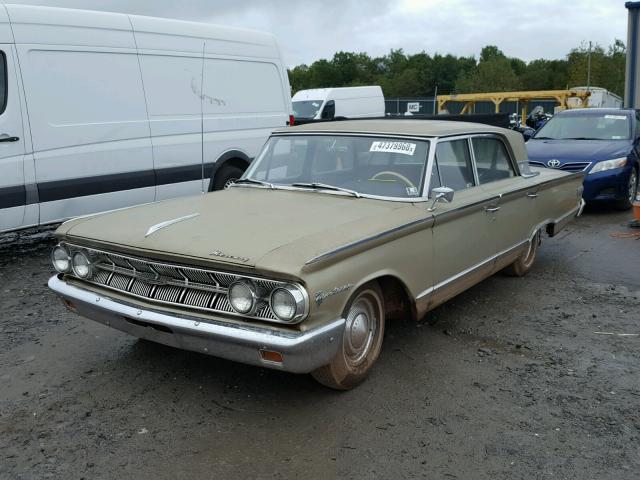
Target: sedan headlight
[242,297]
[61,259]
[288,303]
[81,265]
[609,165]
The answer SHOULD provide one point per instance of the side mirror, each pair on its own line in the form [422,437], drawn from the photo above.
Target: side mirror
[441,195]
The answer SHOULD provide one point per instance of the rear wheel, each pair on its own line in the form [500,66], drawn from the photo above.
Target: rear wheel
[525,261]
[632,187]
[361,341]
[226,176]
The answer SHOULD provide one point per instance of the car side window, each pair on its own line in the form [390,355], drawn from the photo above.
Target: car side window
[637,124]
[492,160]
[452,166]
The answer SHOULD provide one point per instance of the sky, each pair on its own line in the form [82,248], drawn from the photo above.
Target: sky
[308,30]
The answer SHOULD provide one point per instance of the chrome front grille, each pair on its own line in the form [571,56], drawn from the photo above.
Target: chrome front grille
[567,167]
[179,285]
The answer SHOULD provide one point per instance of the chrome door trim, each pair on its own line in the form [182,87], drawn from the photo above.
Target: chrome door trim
[471,269]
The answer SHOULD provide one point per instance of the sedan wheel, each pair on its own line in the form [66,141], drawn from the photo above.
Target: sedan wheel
[525,261]
[361,341]
[632,187]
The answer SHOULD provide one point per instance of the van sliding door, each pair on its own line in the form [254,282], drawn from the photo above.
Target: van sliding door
[13,194]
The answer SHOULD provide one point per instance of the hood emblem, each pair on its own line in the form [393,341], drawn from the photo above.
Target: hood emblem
[553,163]
[219,254]
[159,226]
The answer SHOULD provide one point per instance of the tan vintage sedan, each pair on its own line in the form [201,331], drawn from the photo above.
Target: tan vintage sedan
[335,229]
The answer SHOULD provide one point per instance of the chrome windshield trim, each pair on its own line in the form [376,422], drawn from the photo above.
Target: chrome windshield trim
[421,199]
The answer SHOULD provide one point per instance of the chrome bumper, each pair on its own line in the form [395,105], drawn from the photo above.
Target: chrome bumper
[302,352]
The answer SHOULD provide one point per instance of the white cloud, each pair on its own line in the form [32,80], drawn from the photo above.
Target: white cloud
[309,30]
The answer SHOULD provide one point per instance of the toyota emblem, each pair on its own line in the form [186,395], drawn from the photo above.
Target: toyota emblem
[553,163]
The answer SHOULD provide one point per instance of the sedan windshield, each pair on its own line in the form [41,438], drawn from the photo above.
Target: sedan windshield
[306,109]
[586,126]
[347,165]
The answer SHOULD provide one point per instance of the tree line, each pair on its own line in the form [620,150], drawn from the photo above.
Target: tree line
[405,75]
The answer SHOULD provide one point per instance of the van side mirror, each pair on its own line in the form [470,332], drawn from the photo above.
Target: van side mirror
[329,110]
[441,195]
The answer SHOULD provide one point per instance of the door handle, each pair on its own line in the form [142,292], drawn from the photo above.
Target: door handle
[9,139]
[532,195]
[491,209]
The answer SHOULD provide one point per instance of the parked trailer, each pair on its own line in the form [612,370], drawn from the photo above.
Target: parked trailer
[105,110]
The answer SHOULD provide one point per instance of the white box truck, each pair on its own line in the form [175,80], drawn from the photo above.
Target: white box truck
[347,102]
[102,110]
[599,98]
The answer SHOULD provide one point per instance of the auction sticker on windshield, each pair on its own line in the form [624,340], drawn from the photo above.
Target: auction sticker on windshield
[405,148]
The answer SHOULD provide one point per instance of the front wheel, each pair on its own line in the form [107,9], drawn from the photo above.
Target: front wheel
[632,187]
[524,262]
[226,176]
[361,341]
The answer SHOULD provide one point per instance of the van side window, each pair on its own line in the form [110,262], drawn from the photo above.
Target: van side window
[453,165]
[3,81]
[492,159]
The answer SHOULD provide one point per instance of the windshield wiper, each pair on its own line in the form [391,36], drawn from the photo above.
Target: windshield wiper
[252,181]
[578,138]
[545,138]
[324,186]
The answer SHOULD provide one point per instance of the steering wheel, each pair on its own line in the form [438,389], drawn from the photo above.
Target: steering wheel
[394,174]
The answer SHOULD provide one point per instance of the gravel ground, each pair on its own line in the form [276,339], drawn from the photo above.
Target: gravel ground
[510,380]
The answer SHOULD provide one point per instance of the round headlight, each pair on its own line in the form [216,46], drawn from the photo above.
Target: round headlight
[287,303]
[242,297]
[81,265]
[61,260]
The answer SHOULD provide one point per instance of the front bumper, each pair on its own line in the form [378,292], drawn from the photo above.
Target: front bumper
[302,352]
[606,186]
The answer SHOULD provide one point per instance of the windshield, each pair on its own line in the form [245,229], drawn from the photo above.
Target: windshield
[380,166]
[588,126]
[306,109]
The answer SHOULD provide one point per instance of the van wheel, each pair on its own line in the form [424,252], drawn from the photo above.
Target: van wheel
[361,341]
[632,187]
[226,176]
[523,264]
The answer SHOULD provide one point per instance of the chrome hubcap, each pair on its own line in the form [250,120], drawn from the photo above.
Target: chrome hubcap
[633,180]
[230,182]
[360,329]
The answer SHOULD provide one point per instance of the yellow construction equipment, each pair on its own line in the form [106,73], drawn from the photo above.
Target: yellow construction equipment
[560,96]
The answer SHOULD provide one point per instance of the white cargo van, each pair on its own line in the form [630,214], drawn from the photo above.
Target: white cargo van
[103,110]
[348,102]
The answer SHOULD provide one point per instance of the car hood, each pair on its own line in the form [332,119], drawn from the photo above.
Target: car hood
[253,227]
[577,150]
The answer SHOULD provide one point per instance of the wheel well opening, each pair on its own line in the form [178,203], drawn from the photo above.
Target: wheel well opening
[235,162]
[398,303]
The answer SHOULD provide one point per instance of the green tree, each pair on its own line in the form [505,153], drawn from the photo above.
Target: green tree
[494,73]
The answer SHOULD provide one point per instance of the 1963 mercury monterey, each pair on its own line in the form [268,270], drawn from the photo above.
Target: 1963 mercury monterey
[335,229]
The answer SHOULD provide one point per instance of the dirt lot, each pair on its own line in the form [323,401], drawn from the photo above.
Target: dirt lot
[509,380]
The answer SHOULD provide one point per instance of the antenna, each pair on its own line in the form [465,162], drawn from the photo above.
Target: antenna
[202,119]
